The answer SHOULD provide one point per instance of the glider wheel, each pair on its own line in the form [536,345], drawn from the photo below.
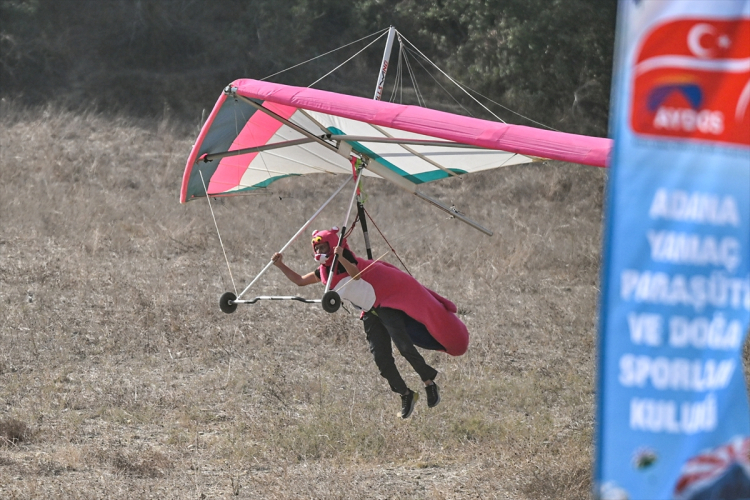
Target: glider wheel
[331,301]
[226,302]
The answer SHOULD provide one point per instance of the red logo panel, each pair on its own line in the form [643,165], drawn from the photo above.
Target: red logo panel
[692,81]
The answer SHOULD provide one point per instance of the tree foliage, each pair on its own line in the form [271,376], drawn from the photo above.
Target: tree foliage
[548,59]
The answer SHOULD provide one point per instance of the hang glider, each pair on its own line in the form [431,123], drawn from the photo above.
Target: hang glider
[259,132]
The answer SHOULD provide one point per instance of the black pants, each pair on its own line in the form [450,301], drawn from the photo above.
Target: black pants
[390,325]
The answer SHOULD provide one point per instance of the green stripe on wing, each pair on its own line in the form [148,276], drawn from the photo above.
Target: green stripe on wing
[432,175]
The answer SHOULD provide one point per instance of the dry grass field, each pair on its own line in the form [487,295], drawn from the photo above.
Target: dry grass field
[121,378]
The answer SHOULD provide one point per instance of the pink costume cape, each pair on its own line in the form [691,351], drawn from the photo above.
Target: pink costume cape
[397,290]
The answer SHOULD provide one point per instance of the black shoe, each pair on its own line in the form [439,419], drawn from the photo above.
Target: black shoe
[408,402]
[433,395]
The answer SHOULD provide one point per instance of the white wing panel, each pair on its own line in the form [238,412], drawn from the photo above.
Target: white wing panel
[418,160]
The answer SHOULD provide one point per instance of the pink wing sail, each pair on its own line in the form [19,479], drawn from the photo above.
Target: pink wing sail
[259,132]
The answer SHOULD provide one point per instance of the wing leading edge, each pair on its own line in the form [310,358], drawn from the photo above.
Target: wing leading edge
[416,144]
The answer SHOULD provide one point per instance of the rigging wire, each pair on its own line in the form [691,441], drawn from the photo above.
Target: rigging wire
[381,32]
[420,98]
[387,243]
[217,231]
[441,86]
[352,57]
[464,89]
[511,111]
[398,78]
[450,78]
[390,246]
[401,73]
[410,234]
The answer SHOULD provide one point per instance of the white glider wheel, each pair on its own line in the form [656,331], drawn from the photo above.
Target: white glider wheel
[227,304]
[331,301]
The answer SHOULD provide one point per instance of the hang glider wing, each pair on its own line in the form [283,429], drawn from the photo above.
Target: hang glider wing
[259,132]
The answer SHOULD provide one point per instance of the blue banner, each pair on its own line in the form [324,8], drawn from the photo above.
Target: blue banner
[673,420]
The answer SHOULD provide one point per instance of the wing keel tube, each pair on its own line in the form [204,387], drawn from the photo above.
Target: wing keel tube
[455,213]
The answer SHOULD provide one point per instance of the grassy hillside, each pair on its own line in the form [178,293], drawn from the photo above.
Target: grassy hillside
[121,378]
